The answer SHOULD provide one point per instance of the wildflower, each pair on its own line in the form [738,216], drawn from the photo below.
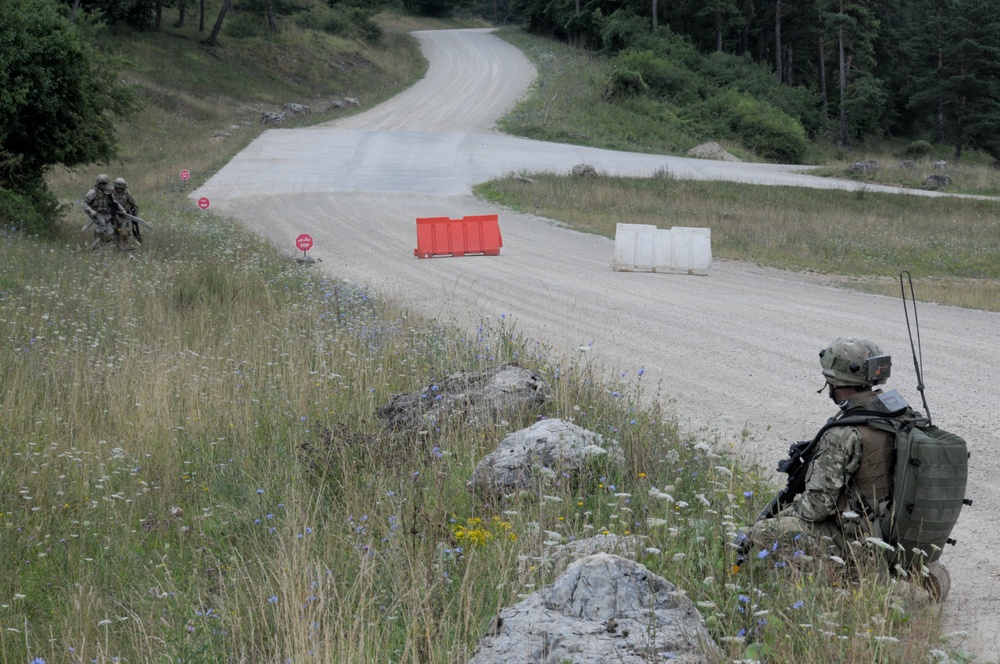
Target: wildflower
[273,599]
[763,553]
[38,660]
[260,491]
[879,542]
[798,605]
[748,494]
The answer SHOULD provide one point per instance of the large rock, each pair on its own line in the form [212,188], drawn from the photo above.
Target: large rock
[712,150]
[545,449]
[478,396]
[936,181]
[866,167]
[603,609]
[558,555]
[585,171]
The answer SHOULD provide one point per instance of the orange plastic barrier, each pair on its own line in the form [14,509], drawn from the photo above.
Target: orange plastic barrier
[441,236]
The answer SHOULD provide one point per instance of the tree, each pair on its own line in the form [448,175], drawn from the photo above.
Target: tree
[959,85]
[213,37]
[55,102]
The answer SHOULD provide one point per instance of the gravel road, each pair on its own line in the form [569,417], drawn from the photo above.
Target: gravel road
[733,352]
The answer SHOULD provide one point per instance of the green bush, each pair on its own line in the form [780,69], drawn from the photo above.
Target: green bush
[35,212]
[918,149]
[343,21]
[740,72]
[664,78]
[622,29]
[625,82]
[758,125]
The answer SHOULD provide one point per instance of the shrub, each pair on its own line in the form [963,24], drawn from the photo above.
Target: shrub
[918,149]
[625,82]
[664,78]
[345,22]
[622,29]
[35,212]
[760,126]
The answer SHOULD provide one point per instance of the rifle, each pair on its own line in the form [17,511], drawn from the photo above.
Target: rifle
[121,210]
[104,228]
[796,466]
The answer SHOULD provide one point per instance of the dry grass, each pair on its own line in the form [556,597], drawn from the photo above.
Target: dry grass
[859,238]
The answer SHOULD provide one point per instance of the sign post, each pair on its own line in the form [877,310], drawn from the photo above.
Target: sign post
[203,203]
[185,174]
[304,242]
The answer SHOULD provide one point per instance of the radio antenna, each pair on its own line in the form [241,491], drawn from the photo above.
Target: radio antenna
[916,350]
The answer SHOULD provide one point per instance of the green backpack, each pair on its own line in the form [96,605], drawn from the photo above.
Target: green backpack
[931,473]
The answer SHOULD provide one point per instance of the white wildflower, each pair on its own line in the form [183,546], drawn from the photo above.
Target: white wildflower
[887,639]
[703,500]
[595,450]
[879,542]
[653,550]
[838,560]
[725,471]
[678,557]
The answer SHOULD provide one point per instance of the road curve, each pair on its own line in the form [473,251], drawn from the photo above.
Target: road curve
[734,352]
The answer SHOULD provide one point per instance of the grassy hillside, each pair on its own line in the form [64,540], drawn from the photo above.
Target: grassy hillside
[192,470]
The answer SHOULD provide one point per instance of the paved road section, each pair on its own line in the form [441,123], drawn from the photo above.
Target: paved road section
[735,353]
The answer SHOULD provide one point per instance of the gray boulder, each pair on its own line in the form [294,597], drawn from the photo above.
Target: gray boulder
[270,117]
[295,109]
[939,164]
[585,171]
[547,448]
[602,609]
[558,556]
[866,167]
[478,396]
[712,150]
[935,181]
[906,164]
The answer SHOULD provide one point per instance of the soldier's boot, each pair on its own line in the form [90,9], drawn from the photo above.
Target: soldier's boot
[937,582]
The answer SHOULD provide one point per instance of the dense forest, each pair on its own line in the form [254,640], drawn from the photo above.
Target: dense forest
[777,77]
[916,69]
[780,72]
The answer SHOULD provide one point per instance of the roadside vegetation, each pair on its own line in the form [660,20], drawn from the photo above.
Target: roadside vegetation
[191,466]
[860,239]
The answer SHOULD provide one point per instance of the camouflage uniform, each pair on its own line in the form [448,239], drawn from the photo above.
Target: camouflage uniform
[849,479]
[124,198]
[98,203]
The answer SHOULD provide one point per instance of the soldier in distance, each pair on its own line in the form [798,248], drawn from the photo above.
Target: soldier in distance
[98,203]
[124,198]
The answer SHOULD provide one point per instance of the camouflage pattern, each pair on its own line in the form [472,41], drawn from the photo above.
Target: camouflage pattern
[844,359]
[124,198]
[827,516]
[97,203]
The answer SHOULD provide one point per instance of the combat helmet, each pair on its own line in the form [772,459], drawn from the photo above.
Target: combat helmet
[103,178]
[120,183]
[850,361]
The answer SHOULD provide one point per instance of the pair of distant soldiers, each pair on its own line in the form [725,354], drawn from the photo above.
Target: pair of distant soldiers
[109,206]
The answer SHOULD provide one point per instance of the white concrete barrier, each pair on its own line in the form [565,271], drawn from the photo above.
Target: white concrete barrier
[646,248]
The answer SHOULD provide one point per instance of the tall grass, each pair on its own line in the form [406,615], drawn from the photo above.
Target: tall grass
[860,239]
[192,469]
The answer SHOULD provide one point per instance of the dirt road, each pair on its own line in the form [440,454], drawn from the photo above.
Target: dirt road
[734,351]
